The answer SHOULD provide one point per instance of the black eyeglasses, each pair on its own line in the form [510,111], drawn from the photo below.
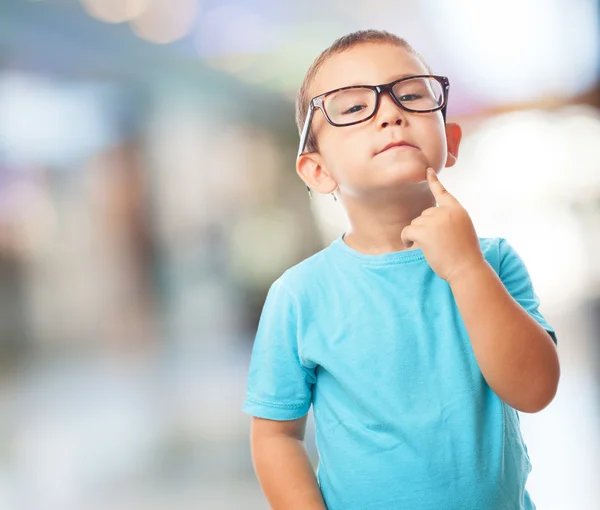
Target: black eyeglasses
[350,105]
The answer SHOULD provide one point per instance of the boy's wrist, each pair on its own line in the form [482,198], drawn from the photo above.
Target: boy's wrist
[469,271]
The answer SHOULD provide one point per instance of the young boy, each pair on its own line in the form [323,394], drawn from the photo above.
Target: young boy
[415,341]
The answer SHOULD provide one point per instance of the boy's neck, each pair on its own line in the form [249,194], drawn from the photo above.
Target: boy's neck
[374,230]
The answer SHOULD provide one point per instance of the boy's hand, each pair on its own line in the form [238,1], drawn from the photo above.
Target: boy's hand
[445,234]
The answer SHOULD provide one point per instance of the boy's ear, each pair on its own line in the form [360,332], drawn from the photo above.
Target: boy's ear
[453,138]
[311,169]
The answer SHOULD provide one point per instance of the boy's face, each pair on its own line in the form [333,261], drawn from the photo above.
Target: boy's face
[351,157]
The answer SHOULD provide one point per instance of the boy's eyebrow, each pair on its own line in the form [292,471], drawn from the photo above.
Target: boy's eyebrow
[393,78]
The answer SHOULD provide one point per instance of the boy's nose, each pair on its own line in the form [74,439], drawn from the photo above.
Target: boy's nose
[389,114]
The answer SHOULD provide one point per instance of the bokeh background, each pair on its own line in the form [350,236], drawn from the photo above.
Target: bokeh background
[148,200]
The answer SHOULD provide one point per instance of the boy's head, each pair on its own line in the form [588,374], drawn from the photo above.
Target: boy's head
[351,158]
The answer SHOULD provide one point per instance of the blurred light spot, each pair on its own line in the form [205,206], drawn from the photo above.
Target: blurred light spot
[520,51]
[165,21]
[49,123]
[538,151]
[115,11]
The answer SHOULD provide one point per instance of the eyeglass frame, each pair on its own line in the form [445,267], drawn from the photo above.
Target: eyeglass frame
[316,103]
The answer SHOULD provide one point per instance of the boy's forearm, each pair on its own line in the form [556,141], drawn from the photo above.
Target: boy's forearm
[286,475]
[515,354]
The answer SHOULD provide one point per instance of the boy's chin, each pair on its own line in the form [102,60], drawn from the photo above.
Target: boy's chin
[393,180]
[393,189]
[404,173]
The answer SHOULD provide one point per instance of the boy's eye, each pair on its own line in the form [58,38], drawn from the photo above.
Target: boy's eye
[410,97]
[354,109]
[350,104]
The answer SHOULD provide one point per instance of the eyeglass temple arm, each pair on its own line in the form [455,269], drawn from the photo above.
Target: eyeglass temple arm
[305,131]
[304,137]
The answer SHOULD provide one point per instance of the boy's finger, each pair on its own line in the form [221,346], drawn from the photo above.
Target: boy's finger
[409,235]
[437,188]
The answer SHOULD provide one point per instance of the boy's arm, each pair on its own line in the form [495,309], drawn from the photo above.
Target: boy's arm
[282,465]
[515,353]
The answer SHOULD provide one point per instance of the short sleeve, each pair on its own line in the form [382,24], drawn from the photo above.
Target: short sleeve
[517,281]
[279,385]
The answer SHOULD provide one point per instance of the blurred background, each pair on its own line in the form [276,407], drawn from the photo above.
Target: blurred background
[148,199]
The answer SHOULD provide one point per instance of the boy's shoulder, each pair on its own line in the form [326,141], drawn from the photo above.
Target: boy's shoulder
[298,277]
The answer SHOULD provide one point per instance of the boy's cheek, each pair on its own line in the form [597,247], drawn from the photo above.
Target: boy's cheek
[433,146]
[340,145]
[355,142]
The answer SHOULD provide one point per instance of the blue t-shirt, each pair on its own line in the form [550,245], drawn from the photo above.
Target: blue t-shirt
[403,416]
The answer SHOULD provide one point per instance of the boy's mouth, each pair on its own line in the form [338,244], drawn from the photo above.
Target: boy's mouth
[398,145]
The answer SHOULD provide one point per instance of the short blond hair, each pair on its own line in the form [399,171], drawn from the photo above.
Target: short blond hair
[340,45]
